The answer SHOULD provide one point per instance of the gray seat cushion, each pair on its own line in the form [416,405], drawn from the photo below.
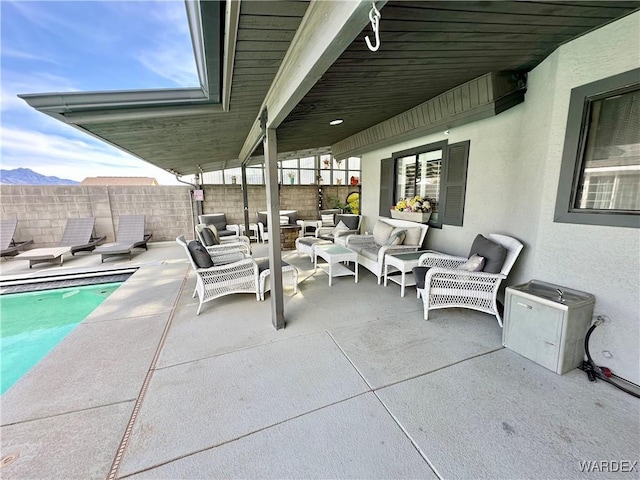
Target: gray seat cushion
[199,254]
[309,241]
[494,254]
[370,252]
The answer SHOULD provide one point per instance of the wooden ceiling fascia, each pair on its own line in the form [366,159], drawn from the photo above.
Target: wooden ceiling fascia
[325,31]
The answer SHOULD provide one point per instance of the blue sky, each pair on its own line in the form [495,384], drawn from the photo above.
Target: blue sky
[53,46]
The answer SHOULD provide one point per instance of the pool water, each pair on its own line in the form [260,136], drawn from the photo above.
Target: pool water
[32,323]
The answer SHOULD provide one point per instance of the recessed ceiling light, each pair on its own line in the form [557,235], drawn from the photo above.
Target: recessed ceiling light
[337,121]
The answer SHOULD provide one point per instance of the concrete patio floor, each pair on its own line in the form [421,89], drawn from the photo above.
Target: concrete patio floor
[357,385]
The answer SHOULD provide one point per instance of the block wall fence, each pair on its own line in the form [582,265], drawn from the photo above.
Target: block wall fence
[42,210]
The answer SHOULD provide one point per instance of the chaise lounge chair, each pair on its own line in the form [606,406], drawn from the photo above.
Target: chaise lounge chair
[7,244]
[130,235]
[77,237]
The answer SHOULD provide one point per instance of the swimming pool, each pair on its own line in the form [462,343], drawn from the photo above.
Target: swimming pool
[32,323]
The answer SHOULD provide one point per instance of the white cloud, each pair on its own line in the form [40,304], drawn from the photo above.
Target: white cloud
[71,158]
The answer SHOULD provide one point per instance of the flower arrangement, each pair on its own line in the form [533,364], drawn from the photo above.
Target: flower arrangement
[416,204]
[291,175]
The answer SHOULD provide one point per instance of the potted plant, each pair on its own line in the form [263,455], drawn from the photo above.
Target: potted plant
[335,202]
[415,209]
[292,177]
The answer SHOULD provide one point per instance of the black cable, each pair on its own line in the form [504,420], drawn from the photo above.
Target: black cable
[592,370]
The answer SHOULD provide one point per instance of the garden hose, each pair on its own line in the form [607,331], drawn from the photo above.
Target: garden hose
[594,371]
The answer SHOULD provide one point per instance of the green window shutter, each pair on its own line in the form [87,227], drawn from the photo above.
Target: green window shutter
[387,181]
[455,183]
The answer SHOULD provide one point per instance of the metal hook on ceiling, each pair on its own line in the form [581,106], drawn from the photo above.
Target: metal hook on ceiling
[374,16]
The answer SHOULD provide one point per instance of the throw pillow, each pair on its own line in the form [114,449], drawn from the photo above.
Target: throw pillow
[474,264]
[381,232]
[413,236]
[209,237]
[397,236]
[200,256]
[340,227]
[351,221]
[493,253]
[327,220]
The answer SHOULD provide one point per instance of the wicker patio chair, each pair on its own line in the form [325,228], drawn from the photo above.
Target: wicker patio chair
[220,280]
[445,285]
[223,251]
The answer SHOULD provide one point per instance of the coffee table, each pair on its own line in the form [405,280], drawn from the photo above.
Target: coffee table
[404,263]
[334,255]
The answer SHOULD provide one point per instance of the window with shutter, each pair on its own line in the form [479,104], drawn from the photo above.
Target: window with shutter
[436,172]
[386,186]
[455,183]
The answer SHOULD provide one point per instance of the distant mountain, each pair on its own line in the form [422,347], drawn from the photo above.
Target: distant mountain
[26,176]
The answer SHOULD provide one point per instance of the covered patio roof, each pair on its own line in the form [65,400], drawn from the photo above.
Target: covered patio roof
[246,53]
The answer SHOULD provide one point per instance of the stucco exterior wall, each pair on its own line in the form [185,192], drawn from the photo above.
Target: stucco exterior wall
[514,166]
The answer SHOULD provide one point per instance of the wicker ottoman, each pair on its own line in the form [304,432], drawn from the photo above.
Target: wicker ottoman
[289,276]
[304,245]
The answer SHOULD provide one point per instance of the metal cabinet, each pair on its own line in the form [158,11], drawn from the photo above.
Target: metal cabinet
[547,323]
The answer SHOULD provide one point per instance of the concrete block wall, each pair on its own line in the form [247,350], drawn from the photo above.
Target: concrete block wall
[167,209]
[42,210]
[303,198]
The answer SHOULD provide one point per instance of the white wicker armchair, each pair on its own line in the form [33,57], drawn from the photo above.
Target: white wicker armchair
[445,286]
[214,282]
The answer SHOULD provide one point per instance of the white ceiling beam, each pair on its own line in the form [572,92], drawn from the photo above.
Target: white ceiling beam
[326,30]
[231,21]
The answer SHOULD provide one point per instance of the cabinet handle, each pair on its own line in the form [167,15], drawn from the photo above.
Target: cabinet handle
[524,305]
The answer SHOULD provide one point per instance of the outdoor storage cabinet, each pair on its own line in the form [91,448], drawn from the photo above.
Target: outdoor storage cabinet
[547,323]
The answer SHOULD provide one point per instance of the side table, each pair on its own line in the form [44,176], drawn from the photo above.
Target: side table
[334,254]
[404,263]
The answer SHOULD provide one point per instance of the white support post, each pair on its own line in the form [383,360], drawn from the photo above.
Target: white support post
[273,221]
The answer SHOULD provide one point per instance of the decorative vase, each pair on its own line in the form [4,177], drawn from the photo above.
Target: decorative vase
[419,217]
[291,180]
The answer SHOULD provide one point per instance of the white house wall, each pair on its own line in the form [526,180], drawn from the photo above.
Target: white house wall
[514,166]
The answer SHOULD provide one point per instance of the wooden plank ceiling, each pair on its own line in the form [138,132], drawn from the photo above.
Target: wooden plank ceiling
[426,49]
